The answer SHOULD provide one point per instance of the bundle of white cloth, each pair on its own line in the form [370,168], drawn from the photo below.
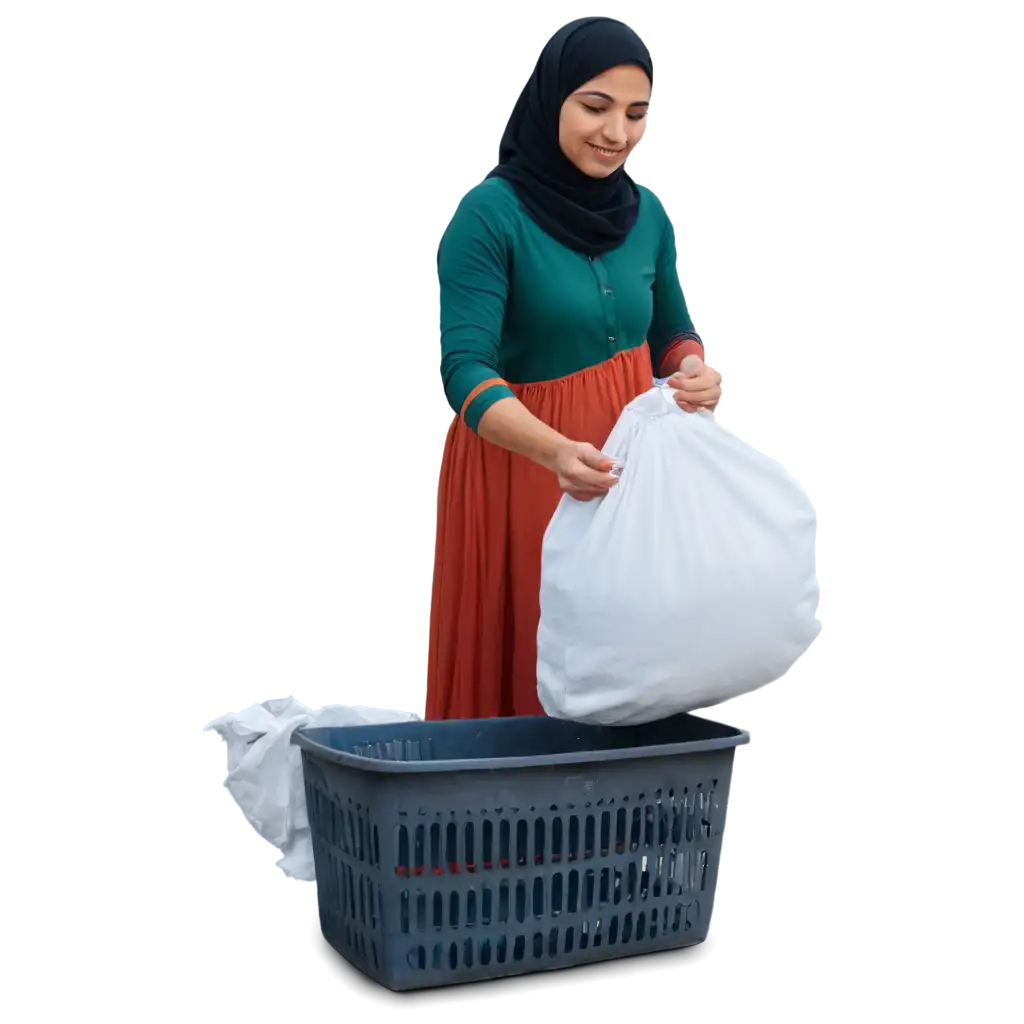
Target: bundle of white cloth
[691,582]
[265,769]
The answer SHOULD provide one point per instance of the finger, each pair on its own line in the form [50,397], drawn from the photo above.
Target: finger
[583,494]
[692,403]
[713,371]
[690,382]
[703,382]
[590,479]
[699,397]
[677,379]
[593,459]
[690,406]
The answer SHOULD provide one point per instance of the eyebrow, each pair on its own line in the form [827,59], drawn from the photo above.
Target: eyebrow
[605,96]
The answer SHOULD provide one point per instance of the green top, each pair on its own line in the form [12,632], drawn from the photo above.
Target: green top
[517,305]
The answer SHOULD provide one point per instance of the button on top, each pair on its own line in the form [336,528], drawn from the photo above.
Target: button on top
[611,339]
[607,291]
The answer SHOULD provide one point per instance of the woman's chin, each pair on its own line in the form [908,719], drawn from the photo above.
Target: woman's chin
[595,167]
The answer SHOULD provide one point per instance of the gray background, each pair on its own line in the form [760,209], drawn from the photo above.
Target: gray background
[216,426]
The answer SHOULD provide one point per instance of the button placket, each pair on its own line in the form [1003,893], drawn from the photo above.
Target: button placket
[608,307]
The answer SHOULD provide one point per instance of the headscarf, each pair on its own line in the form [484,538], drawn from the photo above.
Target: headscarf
[589,215]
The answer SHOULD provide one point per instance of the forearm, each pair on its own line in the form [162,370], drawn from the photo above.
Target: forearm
[510,425]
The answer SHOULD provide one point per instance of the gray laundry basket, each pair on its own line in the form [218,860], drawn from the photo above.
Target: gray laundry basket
[457,851]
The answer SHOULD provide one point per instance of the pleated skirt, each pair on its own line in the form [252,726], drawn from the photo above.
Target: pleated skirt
[493,509]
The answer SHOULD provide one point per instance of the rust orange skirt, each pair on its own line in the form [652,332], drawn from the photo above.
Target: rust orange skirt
[492,510]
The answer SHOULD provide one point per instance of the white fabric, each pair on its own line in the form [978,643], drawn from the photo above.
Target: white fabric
[265,769]
[691,582]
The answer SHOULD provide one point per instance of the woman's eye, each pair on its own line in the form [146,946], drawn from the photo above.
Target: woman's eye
[601,110]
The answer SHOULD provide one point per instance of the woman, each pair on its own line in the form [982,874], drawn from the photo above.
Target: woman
[559,299]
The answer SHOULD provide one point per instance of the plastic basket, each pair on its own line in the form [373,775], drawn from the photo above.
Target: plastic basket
[457,851]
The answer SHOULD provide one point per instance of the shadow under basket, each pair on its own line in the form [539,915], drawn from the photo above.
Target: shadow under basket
[457,851]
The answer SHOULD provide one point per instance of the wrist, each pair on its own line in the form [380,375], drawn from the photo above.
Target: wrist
[548,450]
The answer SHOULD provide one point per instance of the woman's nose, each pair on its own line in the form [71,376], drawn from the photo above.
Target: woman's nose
[615,130]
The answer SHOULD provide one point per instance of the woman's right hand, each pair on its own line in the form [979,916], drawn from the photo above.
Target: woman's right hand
[583,472]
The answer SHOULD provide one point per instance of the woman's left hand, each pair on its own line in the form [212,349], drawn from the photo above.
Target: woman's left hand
[697,385]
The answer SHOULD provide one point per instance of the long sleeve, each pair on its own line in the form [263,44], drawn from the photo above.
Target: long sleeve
[671,336]
[472,266]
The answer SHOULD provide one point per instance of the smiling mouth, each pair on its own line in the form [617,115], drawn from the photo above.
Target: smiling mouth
[607,153]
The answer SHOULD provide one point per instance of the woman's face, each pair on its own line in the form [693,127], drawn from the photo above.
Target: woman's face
[603,120]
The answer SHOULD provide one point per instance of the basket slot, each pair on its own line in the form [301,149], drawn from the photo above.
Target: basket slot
[487,844]
[632,882]
[504,901]
[402,850]
[504,842]
[574,838]
[350,833]
[349,897]
[522,841]
[435,848]
[521,900]
[539,899]
[634,835]
[539,836]
[453,855]
[589,842]
[362,900]
[419,850]
[620,830]
[606,832]
[556,840]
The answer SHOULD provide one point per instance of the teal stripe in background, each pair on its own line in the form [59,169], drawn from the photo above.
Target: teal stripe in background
[852,255]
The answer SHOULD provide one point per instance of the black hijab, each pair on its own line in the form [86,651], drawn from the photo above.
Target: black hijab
[589,215]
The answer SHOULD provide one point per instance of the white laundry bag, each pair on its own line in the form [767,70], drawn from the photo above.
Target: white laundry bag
[265,769]
[691,582]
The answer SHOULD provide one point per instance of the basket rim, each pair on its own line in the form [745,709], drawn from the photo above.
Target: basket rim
[733,738]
